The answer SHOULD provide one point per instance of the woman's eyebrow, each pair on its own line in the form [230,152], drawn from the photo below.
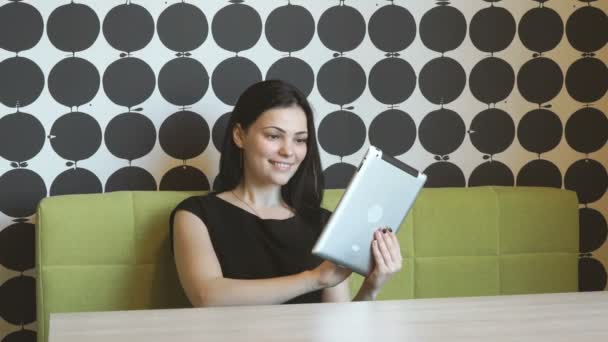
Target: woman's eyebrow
[283,131]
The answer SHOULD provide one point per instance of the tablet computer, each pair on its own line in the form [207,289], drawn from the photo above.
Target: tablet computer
[381,193]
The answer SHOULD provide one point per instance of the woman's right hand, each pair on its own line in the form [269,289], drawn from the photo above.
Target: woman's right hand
[329,274]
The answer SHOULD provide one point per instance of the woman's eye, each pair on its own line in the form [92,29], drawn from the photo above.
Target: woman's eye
[302,141]
[272,136]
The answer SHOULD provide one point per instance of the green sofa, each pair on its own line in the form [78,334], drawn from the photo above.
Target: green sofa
[111,251]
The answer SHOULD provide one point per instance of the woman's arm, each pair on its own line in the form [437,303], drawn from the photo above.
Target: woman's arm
[201,276]
[338,293]
[341,293]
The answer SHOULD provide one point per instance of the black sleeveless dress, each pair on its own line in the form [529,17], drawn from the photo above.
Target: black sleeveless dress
[248,247]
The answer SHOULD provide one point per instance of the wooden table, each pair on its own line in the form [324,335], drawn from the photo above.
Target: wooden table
[572,317]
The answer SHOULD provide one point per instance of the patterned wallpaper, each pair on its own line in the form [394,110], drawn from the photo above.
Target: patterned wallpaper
[109,95]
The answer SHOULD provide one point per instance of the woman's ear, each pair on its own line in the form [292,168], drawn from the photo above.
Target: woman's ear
[238,135]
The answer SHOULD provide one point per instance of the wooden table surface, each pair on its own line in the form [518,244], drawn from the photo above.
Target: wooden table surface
[572,317]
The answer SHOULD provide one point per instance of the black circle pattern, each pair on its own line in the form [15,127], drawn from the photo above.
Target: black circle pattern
[342,133]
[442,80]
[588,178]
[131,178]
[593,230]
[380,75]
[492,131]
[587,130]
[25,17]
[23,335]
[75,181]
[294,71]
[232,37]
[17,247]
[535,122]
[540,172]
[331,28]
[75,136]
[183,81]
[21,190]
[393,131]
[18,298]
[290,28]
[587,80]
[73,81]
[338,175]
[441,131]
[592,275]
[129,81]
[541,29]
[232,76]
[444,174]
[443,28]
[392,80]
[128,27]
[587,29]
[386,22]
[539,80]
[341,81]
[182,27]
[63,20]
[184,135]
[491,80]
[21,82]
[184,178]
[130,136]
[21,136]
[491,173]
[492,29]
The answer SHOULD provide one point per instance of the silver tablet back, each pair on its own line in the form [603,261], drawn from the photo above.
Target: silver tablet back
[381,193]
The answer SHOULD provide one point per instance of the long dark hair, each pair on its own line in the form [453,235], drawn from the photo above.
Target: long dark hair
[304,191]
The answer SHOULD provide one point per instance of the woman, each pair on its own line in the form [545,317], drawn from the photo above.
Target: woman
[249,241]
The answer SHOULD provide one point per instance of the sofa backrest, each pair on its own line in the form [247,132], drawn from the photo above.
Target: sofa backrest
[100,252]
[104,252]
[486,241]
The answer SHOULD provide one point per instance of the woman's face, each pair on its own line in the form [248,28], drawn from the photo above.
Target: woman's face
[274,145]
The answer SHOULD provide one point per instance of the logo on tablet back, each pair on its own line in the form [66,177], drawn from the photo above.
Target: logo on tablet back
[374,213]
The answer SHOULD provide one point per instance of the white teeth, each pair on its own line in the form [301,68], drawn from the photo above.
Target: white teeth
[280,164]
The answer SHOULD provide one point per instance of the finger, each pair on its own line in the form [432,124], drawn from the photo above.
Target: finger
[395,257]
[395,240]
[391,243]
[384,250]
[393,250]
[396,247]
[380,264]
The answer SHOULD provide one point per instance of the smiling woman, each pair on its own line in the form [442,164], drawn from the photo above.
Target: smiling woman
[267,126]
[250,240]
[274,146]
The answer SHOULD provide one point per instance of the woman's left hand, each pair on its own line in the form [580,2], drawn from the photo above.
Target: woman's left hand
[387,258]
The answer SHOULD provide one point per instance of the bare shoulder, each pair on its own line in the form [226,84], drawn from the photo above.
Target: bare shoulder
[188,223]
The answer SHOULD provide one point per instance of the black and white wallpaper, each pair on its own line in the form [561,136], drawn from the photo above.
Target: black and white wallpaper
[99,96]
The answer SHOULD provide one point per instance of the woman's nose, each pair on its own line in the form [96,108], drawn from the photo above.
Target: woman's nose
[286,149]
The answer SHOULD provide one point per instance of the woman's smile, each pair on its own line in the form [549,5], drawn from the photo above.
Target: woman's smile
[281,166]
